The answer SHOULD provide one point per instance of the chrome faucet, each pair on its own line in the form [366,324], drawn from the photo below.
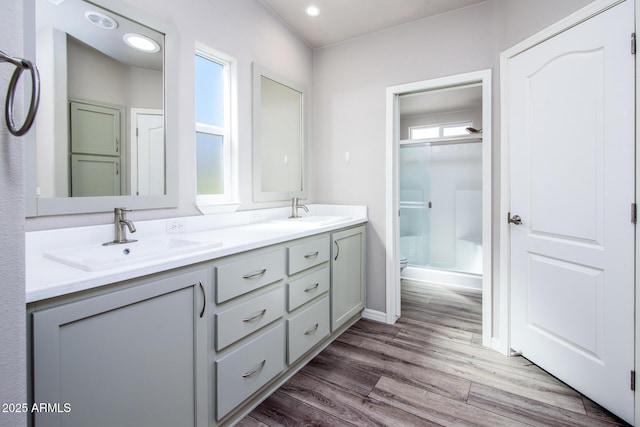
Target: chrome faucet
[295,206]
[121,221]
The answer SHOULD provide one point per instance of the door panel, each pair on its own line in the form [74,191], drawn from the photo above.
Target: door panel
[566,117]
[570,127]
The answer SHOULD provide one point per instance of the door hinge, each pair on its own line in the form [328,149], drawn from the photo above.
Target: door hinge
[633,43]
[634,213]
[633,380]
[137,132]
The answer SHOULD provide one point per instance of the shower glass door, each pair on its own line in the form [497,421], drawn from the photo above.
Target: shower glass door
[415,203]
[441,205]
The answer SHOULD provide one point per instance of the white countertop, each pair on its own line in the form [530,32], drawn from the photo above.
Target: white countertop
[237,232]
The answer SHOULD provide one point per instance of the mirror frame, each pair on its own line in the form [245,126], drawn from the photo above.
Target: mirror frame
[35,206]
[269,196]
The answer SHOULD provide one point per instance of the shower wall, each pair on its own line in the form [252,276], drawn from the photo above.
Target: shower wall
[441,203]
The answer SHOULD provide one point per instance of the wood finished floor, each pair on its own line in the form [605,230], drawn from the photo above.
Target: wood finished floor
[429,369]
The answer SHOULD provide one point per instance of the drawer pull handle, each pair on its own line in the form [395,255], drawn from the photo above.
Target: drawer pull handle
[337,250]
[255,274]
[312,287]
[255,371]
[312,330]
[204,299]
[255,317]
[311,255]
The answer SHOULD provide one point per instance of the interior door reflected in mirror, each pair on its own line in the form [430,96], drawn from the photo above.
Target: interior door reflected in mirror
[102,131]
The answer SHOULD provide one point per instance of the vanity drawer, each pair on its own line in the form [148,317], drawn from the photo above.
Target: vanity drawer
[242,372]
[307,328]
[239,321]
[307,288]
[244,274]
[307,254]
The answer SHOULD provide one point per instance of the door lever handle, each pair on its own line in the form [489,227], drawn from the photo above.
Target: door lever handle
[514,219]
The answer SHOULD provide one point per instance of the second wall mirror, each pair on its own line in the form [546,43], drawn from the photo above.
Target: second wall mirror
[279,142]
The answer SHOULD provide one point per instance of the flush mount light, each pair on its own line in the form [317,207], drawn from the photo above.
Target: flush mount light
[141,43]
[101,20]
[312,11]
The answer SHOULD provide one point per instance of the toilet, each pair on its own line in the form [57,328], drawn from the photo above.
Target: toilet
[403,263]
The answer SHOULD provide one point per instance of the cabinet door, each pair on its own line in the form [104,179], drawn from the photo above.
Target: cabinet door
[95,175]
[347,275]
[134,357]
[95,129]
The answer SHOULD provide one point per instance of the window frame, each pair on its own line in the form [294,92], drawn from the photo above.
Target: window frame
[441,127]
[226,132]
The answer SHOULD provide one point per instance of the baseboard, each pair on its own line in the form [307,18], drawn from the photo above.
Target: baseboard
[376,316]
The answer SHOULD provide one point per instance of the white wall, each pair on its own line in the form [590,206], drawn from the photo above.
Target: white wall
[242,29]
[351,79]
[13,346]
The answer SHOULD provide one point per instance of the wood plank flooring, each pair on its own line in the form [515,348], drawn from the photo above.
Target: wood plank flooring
[429,369]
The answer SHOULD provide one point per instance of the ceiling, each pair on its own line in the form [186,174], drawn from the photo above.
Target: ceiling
[341,20]
[68,16]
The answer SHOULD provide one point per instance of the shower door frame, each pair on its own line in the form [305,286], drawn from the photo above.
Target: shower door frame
[393,301]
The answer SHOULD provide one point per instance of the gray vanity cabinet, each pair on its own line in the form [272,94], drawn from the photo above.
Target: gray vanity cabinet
[196,346]
[347,274]
[134,356]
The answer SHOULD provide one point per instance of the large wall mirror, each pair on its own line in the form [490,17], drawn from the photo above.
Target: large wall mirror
[105,132]
[278,137]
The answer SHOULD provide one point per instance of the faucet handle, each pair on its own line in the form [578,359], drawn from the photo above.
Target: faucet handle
[121,212]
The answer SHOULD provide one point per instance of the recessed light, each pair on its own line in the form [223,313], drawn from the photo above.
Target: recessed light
[101,20]
[141,43]
[312,11]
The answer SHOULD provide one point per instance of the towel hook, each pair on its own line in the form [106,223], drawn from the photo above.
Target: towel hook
[21,65]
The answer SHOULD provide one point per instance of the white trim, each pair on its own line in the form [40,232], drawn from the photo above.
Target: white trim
[392,196]
[503,344]
[376,316]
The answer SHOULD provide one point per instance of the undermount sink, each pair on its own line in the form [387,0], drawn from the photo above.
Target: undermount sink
[99,257]
[313,220]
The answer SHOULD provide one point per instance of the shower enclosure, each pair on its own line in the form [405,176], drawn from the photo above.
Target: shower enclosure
[441,197]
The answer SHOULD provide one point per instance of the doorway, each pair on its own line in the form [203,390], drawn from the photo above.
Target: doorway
[482,195]
[440,162]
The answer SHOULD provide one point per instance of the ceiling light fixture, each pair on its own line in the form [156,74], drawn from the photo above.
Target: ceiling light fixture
[101,20]
[312,11]
[141,43]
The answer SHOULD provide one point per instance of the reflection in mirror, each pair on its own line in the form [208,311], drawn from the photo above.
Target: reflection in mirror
[102,128]
[278,137]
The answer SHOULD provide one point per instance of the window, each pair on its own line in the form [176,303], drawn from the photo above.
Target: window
[213,136]
[439,131]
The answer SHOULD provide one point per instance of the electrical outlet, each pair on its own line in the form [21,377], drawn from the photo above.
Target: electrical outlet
[176,226]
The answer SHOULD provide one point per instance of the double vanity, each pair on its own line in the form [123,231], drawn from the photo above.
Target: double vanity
[196,322]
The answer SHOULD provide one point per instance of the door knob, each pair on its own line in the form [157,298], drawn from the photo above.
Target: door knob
[514,219]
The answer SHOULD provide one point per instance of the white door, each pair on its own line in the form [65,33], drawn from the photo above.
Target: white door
[149,154]
[571,134]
